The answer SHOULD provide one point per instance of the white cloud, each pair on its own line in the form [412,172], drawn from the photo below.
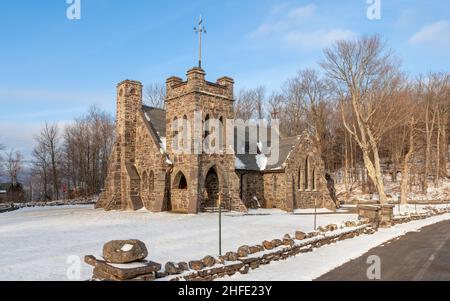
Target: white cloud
[437,33]
[317,39]
[289,25]
[284,18]
[302,12]
[20,136]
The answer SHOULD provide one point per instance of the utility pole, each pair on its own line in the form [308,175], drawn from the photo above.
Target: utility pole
[200,29]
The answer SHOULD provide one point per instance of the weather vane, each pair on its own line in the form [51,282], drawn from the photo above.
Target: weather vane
[200,29]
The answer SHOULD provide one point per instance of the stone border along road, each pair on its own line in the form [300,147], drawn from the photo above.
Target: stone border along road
[244,264]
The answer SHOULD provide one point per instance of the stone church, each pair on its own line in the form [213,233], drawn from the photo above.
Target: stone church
[145,171]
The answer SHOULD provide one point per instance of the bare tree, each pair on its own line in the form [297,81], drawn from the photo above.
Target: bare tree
[155,95]
[250,103]
[407,161]
[42,168]
[316,100]
[366,75]
[432,94]
[48,140]
[259,94]
[86,149]
[13,165]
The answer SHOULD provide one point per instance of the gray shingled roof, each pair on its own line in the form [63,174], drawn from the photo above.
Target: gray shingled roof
[157,120]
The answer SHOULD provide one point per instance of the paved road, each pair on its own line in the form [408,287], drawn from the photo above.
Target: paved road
[417,256]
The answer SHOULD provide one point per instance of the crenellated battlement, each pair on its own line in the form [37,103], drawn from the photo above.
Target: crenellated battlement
[196,82]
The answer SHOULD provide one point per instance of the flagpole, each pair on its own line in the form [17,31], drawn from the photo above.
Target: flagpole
[200,30]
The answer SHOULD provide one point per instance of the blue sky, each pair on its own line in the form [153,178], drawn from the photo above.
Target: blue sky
[52,68]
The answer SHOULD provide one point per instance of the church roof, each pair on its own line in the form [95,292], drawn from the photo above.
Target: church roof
[157,119]
[260,162]
[251,162]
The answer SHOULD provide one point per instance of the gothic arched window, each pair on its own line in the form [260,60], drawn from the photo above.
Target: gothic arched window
[151,181]
[144,180]
[314,179]
[222,133]
[206,132]
[180,181]
[306,178]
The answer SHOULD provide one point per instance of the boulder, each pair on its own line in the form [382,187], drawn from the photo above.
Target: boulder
[331,227]
[243,251]
[124,251]
[254,249]
[287,236]
[196,265]
[221,259]
[183,266]
[231,256]
[209,261]
[350,224]
[299,235]
[171,268]
[288,242]
[277,242]
[267,245]
[312,234]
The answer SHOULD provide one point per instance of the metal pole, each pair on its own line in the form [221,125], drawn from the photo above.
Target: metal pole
[200,47]
[315,214]
[220,225]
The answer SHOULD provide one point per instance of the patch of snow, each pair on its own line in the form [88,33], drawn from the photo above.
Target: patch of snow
[132,265]
[257,201]
[127,248]
[261,161]
[162,145]
[238,164]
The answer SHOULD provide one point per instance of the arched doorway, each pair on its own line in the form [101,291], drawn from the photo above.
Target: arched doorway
[180,181]
[212,188]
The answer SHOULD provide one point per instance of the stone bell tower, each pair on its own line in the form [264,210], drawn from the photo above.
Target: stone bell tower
[199,179]
[123,181]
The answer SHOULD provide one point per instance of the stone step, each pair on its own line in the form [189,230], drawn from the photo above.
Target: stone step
[214,209]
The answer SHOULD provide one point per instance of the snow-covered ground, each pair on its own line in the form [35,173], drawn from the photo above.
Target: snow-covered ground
[440,193]
[36,242]
[309,266]
[400,210]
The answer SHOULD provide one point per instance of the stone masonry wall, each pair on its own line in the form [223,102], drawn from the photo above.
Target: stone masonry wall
[213,100]
[275,190]
[120,190]
[151,166]
[305,177]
